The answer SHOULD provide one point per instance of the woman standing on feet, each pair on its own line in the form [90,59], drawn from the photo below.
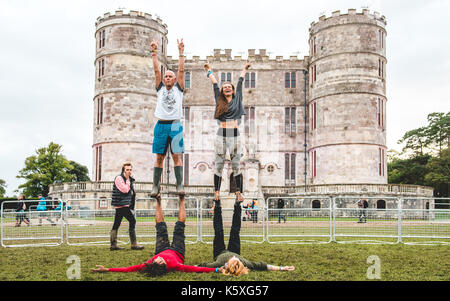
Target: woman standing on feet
[231,260]
[229,110]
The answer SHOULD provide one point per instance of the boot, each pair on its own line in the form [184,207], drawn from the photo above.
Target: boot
[113,239]
[156,179]
[179,177]
[134,245]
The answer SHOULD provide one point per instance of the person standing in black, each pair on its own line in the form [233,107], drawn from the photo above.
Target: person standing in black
[123,199]
[21,207]
[280,206]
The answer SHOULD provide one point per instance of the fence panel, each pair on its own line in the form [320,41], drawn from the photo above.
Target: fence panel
[378,223]
[145,219]
[302,220]
[252,222]
[30,228]
[420,225]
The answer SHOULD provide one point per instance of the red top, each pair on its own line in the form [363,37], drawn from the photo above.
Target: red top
[174,261]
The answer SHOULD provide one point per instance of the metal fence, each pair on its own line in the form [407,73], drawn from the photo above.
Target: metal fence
[253,222]
[302,220]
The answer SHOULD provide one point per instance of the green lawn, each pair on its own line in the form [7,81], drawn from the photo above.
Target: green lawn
[327,262]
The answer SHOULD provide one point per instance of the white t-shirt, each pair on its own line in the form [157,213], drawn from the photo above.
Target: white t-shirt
[169,104]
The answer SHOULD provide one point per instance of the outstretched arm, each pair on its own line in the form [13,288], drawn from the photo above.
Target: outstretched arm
[209,73]
[154,46]
[180,75]
[277,268]
[102,269]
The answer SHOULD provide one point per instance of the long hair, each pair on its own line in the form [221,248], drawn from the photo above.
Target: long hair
[222,103]
[235,268]
[154,269]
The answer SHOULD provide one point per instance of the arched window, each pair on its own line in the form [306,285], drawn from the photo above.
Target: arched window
[316,204]
[381,204]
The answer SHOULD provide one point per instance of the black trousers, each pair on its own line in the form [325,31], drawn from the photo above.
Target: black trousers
[162,238]
[120,214]
[234,243]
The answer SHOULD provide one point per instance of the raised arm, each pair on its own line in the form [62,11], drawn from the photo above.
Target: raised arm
[209,74]
[244,70]
[277,268]
[180,75]
[154,46]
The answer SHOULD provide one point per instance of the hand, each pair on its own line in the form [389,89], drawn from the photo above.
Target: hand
[288,268]
[207,67]
[247,65]
[221,269]
[99,269]
[180,46]
[154,45]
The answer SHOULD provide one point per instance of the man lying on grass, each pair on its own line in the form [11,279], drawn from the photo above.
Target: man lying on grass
[230,261]
[167,257]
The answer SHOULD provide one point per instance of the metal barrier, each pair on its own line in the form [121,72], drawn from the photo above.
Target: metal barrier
[378,225]
[252,222]
[45,228]
[305,220]
[145,219]
[309,219]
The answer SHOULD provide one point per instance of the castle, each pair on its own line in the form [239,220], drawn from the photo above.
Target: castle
[313,125]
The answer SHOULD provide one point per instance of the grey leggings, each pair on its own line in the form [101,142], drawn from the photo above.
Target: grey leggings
[233,146]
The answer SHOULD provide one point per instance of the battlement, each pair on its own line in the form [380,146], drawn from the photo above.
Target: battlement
[351,12]
[224,55]
[131,14]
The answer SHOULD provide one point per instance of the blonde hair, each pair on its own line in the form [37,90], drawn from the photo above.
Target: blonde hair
[235,268]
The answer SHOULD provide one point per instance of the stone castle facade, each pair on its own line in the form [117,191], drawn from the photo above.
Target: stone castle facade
[311,122]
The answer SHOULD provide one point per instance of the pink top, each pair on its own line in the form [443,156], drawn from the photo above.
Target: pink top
[123,187]
[174,261]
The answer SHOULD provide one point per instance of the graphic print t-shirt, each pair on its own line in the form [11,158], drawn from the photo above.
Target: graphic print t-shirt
[169,105]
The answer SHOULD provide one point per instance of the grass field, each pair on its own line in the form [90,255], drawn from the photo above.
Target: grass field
[320,262]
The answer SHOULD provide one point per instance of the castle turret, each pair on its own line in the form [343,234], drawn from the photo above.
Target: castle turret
[125,95]
[347,101]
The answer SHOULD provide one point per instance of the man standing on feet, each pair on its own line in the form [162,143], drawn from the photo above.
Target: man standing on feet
[168,131]
[123,198]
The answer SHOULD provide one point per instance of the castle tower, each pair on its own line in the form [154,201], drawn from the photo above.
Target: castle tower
[125,96]
[347,99]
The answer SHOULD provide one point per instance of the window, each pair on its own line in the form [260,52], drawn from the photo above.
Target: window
[270,168]
[250,80]
[315,204]
[162,46]
[289,120]
[380,112]
[101,68]
[289,171]
[313,74]
[381,162]
[381,39]
[313,163]
[187,80]
[249,120]
[381,204]
[380,68]
[102,39]
[314,46]
[313,115]
[290,80]
[98,165]
[100,110]
[103,203]
[225,77]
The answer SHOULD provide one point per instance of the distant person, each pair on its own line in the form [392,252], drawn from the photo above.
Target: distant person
[123,198]
[20,209]
[362,214]
[254,211]
[168,257]
[43,213]
[62,206]
[281,214]
[230,259]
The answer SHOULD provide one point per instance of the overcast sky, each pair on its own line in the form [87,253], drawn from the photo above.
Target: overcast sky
[47,51]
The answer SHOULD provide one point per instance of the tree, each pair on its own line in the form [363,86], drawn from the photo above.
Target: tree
[438,174]
[408,171]
[48,166]
[81,172]
[2,187]
[438,131]
[415,141]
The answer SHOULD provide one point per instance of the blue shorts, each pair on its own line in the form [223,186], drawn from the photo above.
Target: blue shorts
[168,134]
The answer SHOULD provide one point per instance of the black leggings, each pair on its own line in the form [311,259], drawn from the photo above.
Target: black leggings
[234,243]
[121,213]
